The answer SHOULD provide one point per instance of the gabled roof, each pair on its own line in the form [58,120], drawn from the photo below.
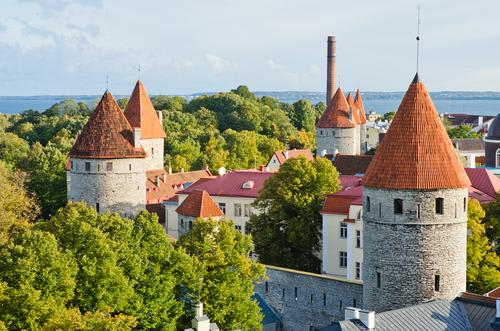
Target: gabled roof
[140,113]
[107,134]
[173,183]
[352,164]
[484,180]
[361,107]
[231,184]
[199,204]
[416,152]
[336,114]
[469,145]
[281,155]
[355,113]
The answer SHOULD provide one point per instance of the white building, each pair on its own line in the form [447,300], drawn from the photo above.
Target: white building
[280,157]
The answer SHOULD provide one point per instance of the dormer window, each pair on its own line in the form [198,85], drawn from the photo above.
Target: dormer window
[248,185]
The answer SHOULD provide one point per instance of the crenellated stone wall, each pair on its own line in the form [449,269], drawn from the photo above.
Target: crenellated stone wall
[410,249]
[121,189]
[303,299]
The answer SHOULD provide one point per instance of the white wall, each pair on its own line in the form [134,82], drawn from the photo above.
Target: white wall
[154,150]
[273,163]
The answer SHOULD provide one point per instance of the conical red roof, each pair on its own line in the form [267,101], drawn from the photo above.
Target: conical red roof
[355,113]
[337,113]
[199,204]
[416,152]
[360,106]
[107,134]
[141,113]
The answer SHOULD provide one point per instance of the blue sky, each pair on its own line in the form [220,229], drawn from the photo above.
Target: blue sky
[68,46]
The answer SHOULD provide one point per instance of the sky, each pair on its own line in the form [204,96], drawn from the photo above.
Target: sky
[63,47]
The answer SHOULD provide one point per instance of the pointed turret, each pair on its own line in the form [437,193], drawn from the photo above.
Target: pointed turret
[361,108]
[336,114]
[416,152]
[199,204]
[353,109]
[107,134]
[141,113]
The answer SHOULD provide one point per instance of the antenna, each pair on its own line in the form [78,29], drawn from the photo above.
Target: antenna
[418,34]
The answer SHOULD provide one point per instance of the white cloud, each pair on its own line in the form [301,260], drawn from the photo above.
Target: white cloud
[218,64]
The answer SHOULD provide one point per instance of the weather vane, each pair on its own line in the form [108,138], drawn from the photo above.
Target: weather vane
[418,34]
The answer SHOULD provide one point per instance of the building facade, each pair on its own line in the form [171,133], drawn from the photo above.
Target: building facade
[492,146]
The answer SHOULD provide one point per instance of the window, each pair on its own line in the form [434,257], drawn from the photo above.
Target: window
[152,151]
[379,281]
[238,227]
[248,211]
[354,302]
[182,223]
[324,299]
[358,239]
[87,166]
[98,167]
[465,204]
[340,305]
[109,166]
[267,287]
[437,279]
[333,133]
[368,206]
[379,209]
[129,167]
[296,294]
[71,165]
[312,299]
[455,210]
[247,230]
[320,132]
[237,209]
[498,158]
[418,211]
[190,225]
[440,206]
[343,230]
[97,207]
[222,207]
[358,270]
[343,259]
[283,295]
[398,206]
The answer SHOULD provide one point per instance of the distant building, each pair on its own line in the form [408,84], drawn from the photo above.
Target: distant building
[479,123]
[492,146]
[472,149]
[373,116]
[280,157]
[351,164]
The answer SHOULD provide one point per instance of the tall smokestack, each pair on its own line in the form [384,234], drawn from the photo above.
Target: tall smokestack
[331,69]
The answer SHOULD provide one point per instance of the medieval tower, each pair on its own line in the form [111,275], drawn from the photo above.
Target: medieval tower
[414,211]
[107,166]
[342,127]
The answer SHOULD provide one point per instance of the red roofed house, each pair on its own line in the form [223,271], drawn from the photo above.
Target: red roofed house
[233,192]
[198,204]
[280,157]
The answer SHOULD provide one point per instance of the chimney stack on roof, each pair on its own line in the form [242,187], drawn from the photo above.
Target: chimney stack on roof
[285,153]
[367,318]
[157,181]
[137,137]
[160,116]
[351,313]
[331,68]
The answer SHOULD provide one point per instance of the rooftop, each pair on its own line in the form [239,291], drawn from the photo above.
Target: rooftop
[170,183]
[336,114]
[282,155]
[352,164]
[199,204]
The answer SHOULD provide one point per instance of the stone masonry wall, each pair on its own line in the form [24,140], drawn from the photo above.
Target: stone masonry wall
[122,190]
[345,140]
[154,160]
[303,299]
[409,250]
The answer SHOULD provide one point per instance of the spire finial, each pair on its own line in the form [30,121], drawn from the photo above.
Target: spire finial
[418,33]
[107,82]
[139,72]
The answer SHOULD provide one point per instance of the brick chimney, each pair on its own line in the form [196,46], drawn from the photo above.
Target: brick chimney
[137,137]
[331,68]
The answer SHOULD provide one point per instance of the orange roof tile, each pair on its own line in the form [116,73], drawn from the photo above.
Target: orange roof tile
[355,113]
[335,204]
[170,183]
[280,155]
[416,152]
[107,134]
[199,204]
[361,108]
[336,114]
[140,113]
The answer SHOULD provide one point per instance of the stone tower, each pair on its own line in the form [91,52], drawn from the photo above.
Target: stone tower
[362,122]
[336,129]
[492,144]
[107,163]
[141,114]
[414,211]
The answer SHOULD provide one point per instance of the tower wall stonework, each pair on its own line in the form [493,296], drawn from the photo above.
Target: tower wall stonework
[122,189]
[344,140]
[362,138]
[408,250]
[154,150]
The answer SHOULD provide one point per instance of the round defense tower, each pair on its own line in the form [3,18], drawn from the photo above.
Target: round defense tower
[107,166]
[414,211]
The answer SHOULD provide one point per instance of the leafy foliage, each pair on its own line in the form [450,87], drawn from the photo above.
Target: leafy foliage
[287,232]
[492,223]
[483,264]
[226,273]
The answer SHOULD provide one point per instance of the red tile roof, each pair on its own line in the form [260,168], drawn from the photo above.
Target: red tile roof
[495,293]
[231,184]
[361,108]
[350,194]
[355,113]
[280,155]
[335,204]
[336,114]
[351,164]
[140,113]
[199,204]
[416,152]
[107,134]
[484,180]
[173,183]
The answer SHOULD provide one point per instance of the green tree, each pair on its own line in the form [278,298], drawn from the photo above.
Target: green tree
[492,223]
[67,107]
[483,264]
[72,319]
[244,92]
[388,116]
[163,102]
[227,274]
[287,232]
[12,148]
[215,155]
[303,115]
[462,131]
